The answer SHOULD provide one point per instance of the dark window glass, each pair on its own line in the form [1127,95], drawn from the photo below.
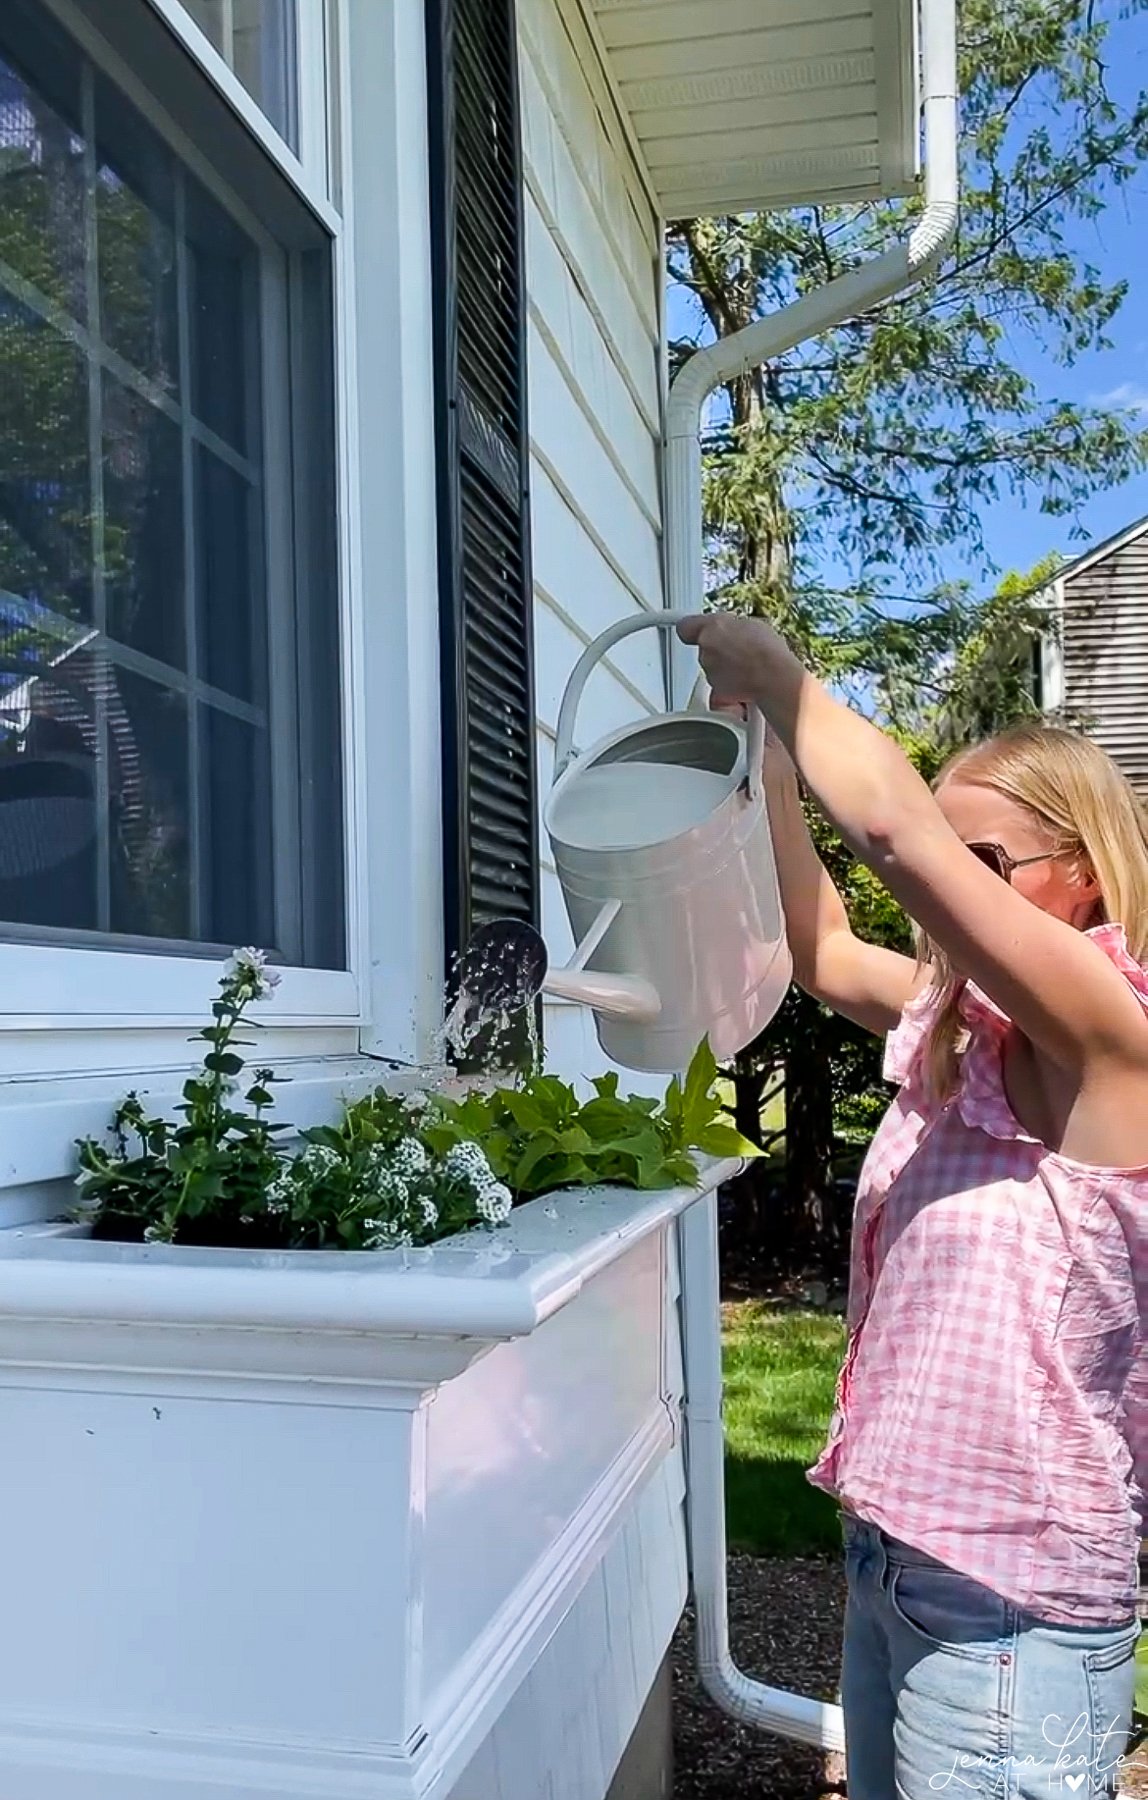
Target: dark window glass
[141,795]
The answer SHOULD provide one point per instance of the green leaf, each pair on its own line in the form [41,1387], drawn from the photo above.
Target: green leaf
[724,1141]
[700,1079]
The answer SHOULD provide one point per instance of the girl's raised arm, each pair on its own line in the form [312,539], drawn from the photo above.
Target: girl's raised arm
[866,982]
[1056,986]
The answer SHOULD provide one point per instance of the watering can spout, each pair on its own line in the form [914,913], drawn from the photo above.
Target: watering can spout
[614,996]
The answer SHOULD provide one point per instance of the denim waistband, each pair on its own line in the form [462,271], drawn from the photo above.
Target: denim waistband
[862,1534]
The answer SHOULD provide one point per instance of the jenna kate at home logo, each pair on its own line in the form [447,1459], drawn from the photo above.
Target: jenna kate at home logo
[1078,1761]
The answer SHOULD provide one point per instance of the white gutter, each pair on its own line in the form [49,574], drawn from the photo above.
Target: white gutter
[773,1709]
[824,309]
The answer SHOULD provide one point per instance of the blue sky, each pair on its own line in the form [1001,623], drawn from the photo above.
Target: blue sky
[1116,244]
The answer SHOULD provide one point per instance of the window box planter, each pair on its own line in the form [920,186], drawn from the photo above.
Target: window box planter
[299,1523]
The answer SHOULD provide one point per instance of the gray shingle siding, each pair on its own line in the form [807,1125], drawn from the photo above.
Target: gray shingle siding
[1104,643]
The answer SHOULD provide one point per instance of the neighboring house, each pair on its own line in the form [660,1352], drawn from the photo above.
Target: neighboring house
[332,399]
[1093,667]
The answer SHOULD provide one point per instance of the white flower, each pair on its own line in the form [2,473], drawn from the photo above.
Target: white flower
[494,1203]
[318,1160]
[467,1162]
[410,1158]
[384,1234]
[249,972]
[280,1193]
[157,1234]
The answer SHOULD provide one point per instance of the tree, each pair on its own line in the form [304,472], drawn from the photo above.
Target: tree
[837,475]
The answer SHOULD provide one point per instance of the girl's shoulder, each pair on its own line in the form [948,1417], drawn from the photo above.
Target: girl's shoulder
[982,1017]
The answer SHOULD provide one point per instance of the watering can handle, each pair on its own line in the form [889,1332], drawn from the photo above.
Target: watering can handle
[571,700]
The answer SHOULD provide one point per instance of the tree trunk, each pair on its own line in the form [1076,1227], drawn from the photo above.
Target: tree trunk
[808,1133]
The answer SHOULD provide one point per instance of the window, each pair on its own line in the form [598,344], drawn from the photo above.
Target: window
[485,574]
[257,38]
[170,773]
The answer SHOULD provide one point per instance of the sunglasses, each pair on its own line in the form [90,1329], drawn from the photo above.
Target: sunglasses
[997,858]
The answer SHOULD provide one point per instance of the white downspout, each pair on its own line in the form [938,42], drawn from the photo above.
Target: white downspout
[789,1715]
[845,298]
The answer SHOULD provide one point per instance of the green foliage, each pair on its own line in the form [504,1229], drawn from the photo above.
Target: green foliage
[838,472]
[217,1161]
[394,1171]
[540,1136]
[218,1177]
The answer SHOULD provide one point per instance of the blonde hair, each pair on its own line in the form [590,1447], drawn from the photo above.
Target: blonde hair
[1085,806]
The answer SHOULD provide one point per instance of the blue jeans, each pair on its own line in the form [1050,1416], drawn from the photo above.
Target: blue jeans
[948,1689]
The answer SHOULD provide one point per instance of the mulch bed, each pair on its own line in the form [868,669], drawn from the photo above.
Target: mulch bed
[785,1628]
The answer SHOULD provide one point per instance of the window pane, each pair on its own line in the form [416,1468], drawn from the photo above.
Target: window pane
[149,852]
[42,208]
[135,208]
[237,898]
[48,785]
[159,779]
[257,39]
[45,474]
[227,580]
[222,318]
[143,525]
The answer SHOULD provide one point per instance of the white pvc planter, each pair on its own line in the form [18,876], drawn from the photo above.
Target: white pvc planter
[301,1524]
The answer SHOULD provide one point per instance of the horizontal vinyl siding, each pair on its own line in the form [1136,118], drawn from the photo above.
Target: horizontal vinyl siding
[1105,655]
[593,258]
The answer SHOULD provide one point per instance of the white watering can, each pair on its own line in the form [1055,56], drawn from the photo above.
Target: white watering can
[661,842]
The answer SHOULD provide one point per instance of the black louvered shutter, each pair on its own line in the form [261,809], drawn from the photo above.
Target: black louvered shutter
[484,539]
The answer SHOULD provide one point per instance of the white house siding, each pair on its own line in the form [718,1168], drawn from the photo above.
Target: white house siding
[594,279]
[563,1734]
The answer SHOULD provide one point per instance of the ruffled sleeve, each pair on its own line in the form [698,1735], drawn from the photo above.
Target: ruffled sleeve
[905,1042]
[982,1100]
[1113,940]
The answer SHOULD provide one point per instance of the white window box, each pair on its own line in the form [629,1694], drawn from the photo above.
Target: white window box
[301,1523]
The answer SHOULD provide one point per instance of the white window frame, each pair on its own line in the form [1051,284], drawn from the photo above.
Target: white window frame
[363,137]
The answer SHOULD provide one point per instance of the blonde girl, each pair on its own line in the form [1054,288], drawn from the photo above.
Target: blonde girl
[988,1444]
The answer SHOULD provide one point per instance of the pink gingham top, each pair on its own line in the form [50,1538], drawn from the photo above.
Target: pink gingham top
[992,1409]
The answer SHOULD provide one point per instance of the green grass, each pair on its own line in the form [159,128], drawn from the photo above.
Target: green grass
[780,1372]
[1142,1676]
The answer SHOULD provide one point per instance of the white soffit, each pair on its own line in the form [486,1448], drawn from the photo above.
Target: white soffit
[745,104]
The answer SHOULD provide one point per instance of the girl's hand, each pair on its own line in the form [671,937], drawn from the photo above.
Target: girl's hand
[739,655]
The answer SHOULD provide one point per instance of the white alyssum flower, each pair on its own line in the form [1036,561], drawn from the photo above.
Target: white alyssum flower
[409,1158]
[494,1203]
[468,1164]
[280,1193]
[386,1234]
[318,1160]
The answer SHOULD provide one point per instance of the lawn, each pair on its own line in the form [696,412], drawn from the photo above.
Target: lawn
[780,1371]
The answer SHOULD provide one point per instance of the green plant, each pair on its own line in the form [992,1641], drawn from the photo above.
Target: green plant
[219,1161]
[217,1176]
[540,1136]
[394,1171]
